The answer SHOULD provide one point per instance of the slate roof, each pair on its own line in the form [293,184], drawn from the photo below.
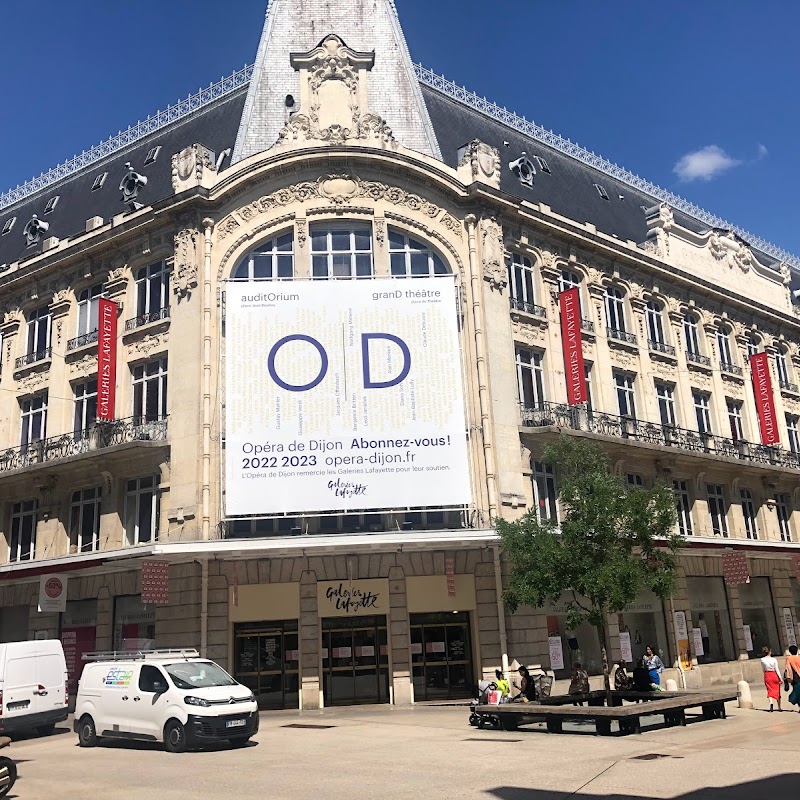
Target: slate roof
[214,126]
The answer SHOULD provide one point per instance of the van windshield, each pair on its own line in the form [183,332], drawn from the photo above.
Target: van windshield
[198,674]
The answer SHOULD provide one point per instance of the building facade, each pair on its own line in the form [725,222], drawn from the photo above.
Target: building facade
[335,160]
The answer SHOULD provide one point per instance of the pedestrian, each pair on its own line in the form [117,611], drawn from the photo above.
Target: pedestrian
[772,678]
[655,666]
[503,685]
[792,675]
[622,680]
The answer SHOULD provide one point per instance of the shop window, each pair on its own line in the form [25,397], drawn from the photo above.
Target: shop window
[84,521]
[272,260]
[626,400]
[85,415]
[142,510]
[530,381]
[615,309]
[39,323]
[150,391]
[152,292]
[749,514]
[441,656]
[708,603]
[267,661]
[22,539]
[134,624]
[33,417]
[644,620]
[341,251]
[521,281]
[544,491]
[410,257]
[758,614]
[578,645]
[683,505]
[782,512]
[717,510]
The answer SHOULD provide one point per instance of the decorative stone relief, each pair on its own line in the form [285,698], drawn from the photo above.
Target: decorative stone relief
[494,268]
[149,343]
[480,162]
[85,365]
[452,224]
[380,231]
[30,383]
[191,166]
[185,267]
[786,273]
[302,232]
[528,334]
[733,384]
[621,358]
[743,258]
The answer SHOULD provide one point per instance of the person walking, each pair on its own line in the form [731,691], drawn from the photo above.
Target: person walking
[792,673]
[655,666]
[772,678]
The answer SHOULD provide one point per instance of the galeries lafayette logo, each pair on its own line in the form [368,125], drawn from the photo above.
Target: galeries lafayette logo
[53,588]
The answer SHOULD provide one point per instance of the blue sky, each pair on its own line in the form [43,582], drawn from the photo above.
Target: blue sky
[699,97]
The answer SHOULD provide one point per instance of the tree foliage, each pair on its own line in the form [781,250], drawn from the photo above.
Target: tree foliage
[612,541]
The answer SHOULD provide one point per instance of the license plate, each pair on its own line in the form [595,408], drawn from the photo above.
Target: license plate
[236,723]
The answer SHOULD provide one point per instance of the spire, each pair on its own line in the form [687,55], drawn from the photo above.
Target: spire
[293,26]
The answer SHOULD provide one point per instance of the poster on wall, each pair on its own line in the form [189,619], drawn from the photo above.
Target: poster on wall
[748,638]
[625,647]
[682,639]
[343,395]
[52,594]
[556,649]
[788,624]
[697,638]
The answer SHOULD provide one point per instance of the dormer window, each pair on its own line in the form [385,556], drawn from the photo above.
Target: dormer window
[601,191]
[8,225]
[152,155]
[99,181]
[51,204]
[542,164]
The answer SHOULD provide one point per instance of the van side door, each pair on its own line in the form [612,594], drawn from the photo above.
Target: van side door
[50,680]
[20,690]
[149,703]
[117,687]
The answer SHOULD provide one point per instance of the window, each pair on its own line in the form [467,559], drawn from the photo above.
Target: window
[152,291]
[782,510]
[625,394]
[529,378]
[544,490]
[85,407]
[615,309]
[782,368]
[683,506]
[749,514]
[634,480]
[665,393]
[34,419]
[655,323]
[88,302]
[690,333]
[702,410]
[84,521]
[588,370]
[8,225]
[142,510]
[601,191]
[99,181]
[270,260]
[152,155]
[150,391]
[39,332]
[569,280]
[411,257]
[724,347]
[341,252]
[51,204]
[22,542]
[153,680]
[520,279]
[542,164]
[735,419]
[793,431]
[717,511]
[260,528]
[753,346]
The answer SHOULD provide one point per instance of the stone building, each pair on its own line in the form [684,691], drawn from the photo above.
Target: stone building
[337,157]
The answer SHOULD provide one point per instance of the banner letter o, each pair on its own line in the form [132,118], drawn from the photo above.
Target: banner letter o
[299,337]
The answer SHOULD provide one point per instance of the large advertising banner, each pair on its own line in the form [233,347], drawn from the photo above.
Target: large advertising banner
[765,403]
[106,359]
[343,395]
[571,339]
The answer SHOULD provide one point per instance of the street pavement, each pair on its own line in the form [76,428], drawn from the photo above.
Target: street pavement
[431,752]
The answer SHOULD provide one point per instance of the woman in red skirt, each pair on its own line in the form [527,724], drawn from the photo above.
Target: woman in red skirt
[772,678]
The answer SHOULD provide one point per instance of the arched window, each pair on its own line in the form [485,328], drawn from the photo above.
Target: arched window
[782,368]
[343,250]
[521,282]
[152,292]
[269,261]
[724,347]
[692,335]
[655,324]
[753,345]
[615,310]
[412,257]
[568,280]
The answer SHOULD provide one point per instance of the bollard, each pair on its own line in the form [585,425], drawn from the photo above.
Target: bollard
[743,693]
[672,685]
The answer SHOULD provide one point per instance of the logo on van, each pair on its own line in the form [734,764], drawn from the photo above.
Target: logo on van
[117,676]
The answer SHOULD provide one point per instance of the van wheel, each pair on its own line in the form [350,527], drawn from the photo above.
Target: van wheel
[8,775]
[174,737]
[45,730]
[87,735]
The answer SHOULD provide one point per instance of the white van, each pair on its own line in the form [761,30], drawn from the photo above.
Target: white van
[170,696]
[33,686]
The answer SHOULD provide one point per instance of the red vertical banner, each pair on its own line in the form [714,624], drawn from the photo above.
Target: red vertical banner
[765,403]
[106,359]
[155,582]
[571,340]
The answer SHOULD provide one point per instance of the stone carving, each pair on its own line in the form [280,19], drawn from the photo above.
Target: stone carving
[146,345]
[528,334]
[786,273]
[228,225]
[302,232]
[61,296]
[717,248]
[452,224]
[117,274]
[84,366]
[185,267]
[380,231]
[494,268]
[621,358]
[743,258]
[30,383]
[189,165]
[483,162]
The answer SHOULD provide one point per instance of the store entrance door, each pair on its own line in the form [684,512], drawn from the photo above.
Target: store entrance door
[441,656]
[267,661]
[355,661]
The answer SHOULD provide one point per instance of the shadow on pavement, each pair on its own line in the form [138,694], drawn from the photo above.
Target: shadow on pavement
[779,786]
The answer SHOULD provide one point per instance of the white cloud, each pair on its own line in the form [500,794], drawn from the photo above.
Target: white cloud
[704,164]
[762,151]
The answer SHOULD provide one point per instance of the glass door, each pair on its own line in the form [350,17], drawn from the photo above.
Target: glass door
[441,656]
[267,661]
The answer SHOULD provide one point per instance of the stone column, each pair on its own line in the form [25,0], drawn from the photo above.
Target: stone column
[402,687]
[310,688]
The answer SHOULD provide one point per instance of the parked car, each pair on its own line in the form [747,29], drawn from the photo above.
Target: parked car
[33,686]
[169,696]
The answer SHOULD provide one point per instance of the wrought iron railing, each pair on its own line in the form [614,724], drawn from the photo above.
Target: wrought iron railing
[788,386]
[82,341]
[99,436]
[622,336]
[698,358]
[587,325]
[529,308]
[661,347]
[144,319]
[33,357]
[731,369]
[580,418]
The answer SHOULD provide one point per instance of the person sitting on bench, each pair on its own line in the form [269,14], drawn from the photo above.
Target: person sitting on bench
[641,678]
[622,680]
[527,687]
[579,681]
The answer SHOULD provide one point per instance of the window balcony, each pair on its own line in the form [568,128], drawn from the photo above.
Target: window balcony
[529,308]
[101,436]
[33,357]
[146,319]
[622,336]
[587,326]
[82,341]
[698,358]
[661,347]
[787,386]
[730,369]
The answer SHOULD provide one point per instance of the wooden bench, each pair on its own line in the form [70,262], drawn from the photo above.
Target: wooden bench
[554,711]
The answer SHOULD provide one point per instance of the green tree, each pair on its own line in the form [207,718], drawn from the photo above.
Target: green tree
[612,542]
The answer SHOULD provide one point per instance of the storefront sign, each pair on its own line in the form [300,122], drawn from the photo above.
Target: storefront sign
[734,567]
[765,403]
[334,397]
[697,638]
[434,647]
[626,653]
[556,649]
[788,623]
[748,638]
[352,598]
[450,572]
[52,594]
[155,582]
[682,640]
[106,359]
[570,304]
